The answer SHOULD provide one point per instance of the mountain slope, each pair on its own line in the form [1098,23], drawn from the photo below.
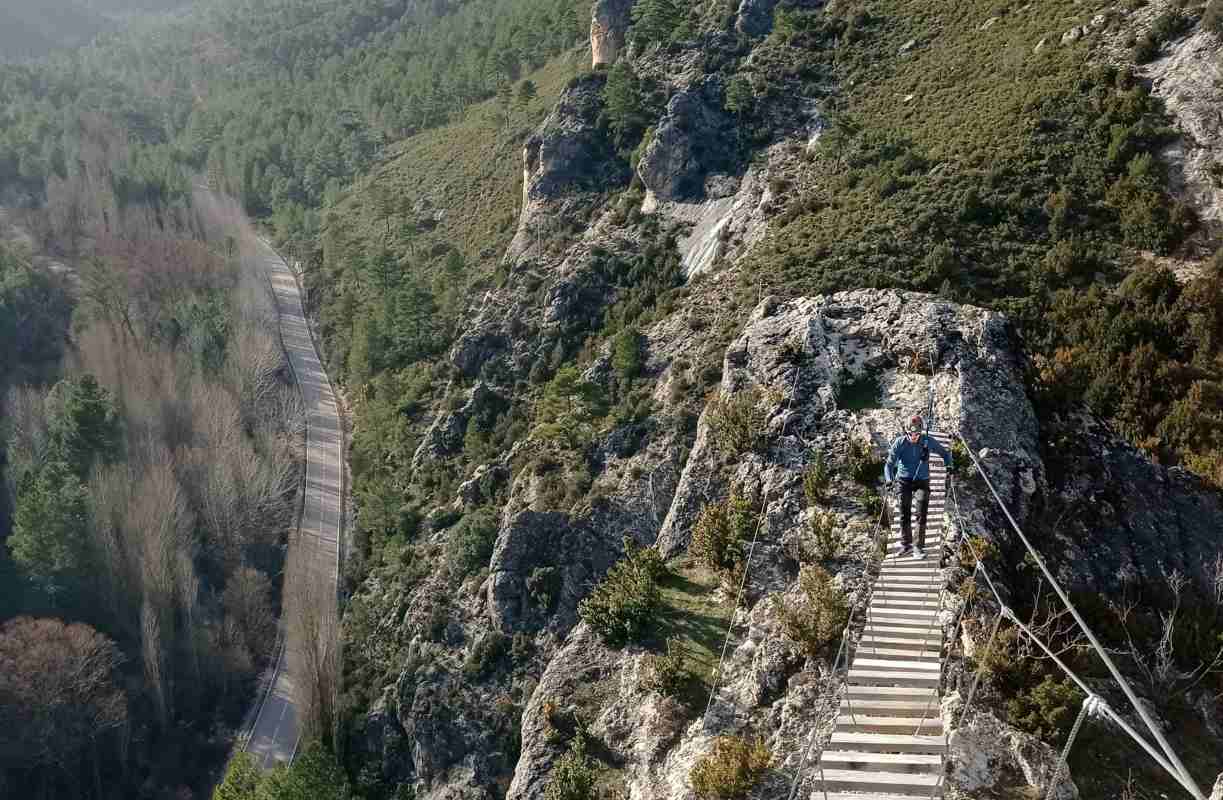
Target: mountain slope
[679,209]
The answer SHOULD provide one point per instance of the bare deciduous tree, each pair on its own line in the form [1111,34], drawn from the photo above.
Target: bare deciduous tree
[58,691]
[313,629]
[247,603]
[1157,662]
[25,423]
[159,516]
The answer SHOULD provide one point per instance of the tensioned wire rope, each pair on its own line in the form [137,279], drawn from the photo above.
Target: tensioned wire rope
[1093,702]
[1171,762]
[1099,706]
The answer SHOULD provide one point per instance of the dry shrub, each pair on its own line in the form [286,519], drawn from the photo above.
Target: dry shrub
[732,769]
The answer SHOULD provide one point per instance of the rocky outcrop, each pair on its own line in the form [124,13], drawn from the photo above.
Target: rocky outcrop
[987,754]
[1187,80]
[695,137]
[569,152]
[852,335]
[1106,533]
[445,436]
[755,17]
[609,19]
[807,358]
[800,355]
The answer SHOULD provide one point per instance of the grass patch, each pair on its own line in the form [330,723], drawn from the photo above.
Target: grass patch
[690,615]
[440,210]
[477,160]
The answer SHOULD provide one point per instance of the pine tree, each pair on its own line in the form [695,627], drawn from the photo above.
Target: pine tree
[49,538]
[655,21]
[505,96]
[526,93]
[623,104]
[83,422]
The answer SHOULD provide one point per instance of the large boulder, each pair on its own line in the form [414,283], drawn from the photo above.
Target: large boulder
[1187,80]
[694,138]
[985,753]
[755,17]
[569,151]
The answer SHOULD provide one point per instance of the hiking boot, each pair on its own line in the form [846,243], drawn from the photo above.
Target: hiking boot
[918,553]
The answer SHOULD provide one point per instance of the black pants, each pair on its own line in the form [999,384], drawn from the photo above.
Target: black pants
[909,488]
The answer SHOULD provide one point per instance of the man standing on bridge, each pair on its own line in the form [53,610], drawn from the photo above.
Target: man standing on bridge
[909,462]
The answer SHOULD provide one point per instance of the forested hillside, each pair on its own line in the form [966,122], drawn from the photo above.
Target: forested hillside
[97,150]
[547,291]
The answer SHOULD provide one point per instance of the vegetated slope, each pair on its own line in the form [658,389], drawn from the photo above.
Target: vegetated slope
[955,153]
[434,217]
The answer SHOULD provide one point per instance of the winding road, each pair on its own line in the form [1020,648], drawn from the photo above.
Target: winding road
[275,734]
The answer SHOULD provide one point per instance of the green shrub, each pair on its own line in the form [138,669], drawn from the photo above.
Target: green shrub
[621,605]
[544,587]
[731,770]
[977,545]
[485,655]
[1167,26]
[863,465]
[872,502]
[737,423]
[628,354]
[962,462]
[470,543]
[1068,259]
[826,534]
[819,616]
[437,622]
[666,673]
[1047,710]
[573,777]
[999,659]
[719,533]
[816,479]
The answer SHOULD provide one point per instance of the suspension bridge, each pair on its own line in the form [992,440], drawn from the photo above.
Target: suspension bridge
[889,739]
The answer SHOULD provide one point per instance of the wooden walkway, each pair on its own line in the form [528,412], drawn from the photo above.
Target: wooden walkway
[888,742]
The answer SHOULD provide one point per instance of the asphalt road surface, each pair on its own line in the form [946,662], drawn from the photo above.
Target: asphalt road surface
[275,735]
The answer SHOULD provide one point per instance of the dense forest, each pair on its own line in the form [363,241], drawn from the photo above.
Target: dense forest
[131,378]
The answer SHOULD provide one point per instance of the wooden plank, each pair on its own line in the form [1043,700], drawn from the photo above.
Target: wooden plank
[887,742]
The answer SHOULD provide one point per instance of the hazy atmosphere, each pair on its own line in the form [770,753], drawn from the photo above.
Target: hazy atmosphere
[627,400]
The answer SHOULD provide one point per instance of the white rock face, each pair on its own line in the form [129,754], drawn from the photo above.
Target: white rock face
[1190,82]
[609,19]
[1217,794]
[986,752]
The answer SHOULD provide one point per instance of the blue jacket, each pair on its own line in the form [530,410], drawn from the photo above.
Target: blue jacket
[913,458]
